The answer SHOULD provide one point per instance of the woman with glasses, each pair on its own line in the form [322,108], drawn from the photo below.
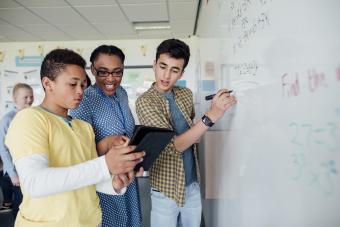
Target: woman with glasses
[105,106]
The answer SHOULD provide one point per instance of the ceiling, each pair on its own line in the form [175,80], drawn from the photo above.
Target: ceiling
[56,20]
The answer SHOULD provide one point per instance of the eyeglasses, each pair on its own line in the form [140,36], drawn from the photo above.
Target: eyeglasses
[104,73]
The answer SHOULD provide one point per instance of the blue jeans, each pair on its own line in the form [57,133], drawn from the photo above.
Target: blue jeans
[164,211]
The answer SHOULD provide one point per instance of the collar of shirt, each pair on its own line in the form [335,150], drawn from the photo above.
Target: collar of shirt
[68,119]
[174,92]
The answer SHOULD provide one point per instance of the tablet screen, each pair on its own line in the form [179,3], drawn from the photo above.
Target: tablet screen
[141,131]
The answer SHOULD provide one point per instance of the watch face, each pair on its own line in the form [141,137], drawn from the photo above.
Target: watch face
[206,120]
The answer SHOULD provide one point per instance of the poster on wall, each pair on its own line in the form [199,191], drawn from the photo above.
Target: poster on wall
[8,82]
[28,61]
[136,81]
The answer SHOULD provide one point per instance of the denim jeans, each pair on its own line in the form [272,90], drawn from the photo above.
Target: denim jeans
[164,211]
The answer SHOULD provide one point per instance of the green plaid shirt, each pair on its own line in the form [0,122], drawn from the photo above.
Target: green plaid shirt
[167,173]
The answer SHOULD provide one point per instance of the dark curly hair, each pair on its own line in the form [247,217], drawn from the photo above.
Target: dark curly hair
[109,50]
[57,60]
[174,48]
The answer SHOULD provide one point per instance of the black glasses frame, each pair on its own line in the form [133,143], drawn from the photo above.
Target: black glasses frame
[104,73]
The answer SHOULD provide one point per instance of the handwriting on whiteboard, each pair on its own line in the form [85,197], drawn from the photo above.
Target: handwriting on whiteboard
[337,112]
[246,68]
[315,148]
[248,17]
[290,85]
[291,82]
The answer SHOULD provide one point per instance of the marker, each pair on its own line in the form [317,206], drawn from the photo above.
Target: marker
[209,97]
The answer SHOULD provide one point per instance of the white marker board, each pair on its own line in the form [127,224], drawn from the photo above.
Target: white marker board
[274,159]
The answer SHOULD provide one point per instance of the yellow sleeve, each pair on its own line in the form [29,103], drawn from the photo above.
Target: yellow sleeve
[28,134]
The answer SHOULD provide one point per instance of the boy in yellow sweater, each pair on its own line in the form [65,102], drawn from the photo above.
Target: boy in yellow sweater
[56,156]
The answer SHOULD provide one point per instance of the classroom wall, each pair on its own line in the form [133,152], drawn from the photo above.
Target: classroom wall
[137,52]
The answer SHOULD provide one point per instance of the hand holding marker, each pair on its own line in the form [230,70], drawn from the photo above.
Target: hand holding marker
[209,97]
[221,102]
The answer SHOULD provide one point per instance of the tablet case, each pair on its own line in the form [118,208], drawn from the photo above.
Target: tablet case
[141,130]
[152,140]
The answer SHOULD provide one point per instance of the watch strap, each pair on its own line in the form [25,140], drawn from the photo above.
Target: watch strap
[207,121]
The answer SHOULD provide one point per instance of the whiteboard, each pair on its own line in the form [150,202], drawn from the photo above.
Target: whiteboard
[274,159]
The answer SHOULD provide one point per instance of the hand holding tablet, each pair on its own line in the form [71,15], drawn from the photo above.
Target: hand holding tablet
[152,140]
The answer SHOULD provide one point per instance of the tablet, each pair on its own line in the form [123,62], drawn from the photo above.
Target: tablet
[152,140]
[141,131]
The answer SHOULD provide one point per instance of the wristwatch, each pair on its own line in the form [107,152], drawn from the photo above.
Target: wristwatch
[207,121]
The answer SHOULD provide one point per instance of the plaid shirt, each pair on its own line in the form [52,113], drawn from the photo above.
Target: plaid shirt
[167,173]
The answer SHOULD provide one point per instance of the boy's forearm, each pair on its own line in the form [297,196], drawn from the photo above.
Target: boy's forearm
[7,160]
[189,137]
[38,179]
[11,171]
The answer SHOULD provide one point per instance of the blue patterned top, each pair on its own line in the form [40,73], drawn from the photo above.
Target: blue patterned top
[108,115]
[111,115]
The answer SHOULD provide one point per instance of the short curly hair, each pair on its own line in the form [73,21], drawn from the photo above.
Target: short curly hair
[57,60]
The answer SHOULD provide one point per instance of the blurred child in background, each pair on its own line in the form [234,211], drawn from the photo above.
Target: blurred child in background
[22,98]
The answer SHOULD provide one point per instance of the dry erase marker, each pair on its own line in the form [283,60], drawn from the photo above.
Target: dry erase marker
[209,97]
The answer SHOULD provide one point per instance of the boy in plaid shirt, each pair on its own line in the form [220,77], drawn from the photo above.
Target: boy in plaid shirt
[175,174]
